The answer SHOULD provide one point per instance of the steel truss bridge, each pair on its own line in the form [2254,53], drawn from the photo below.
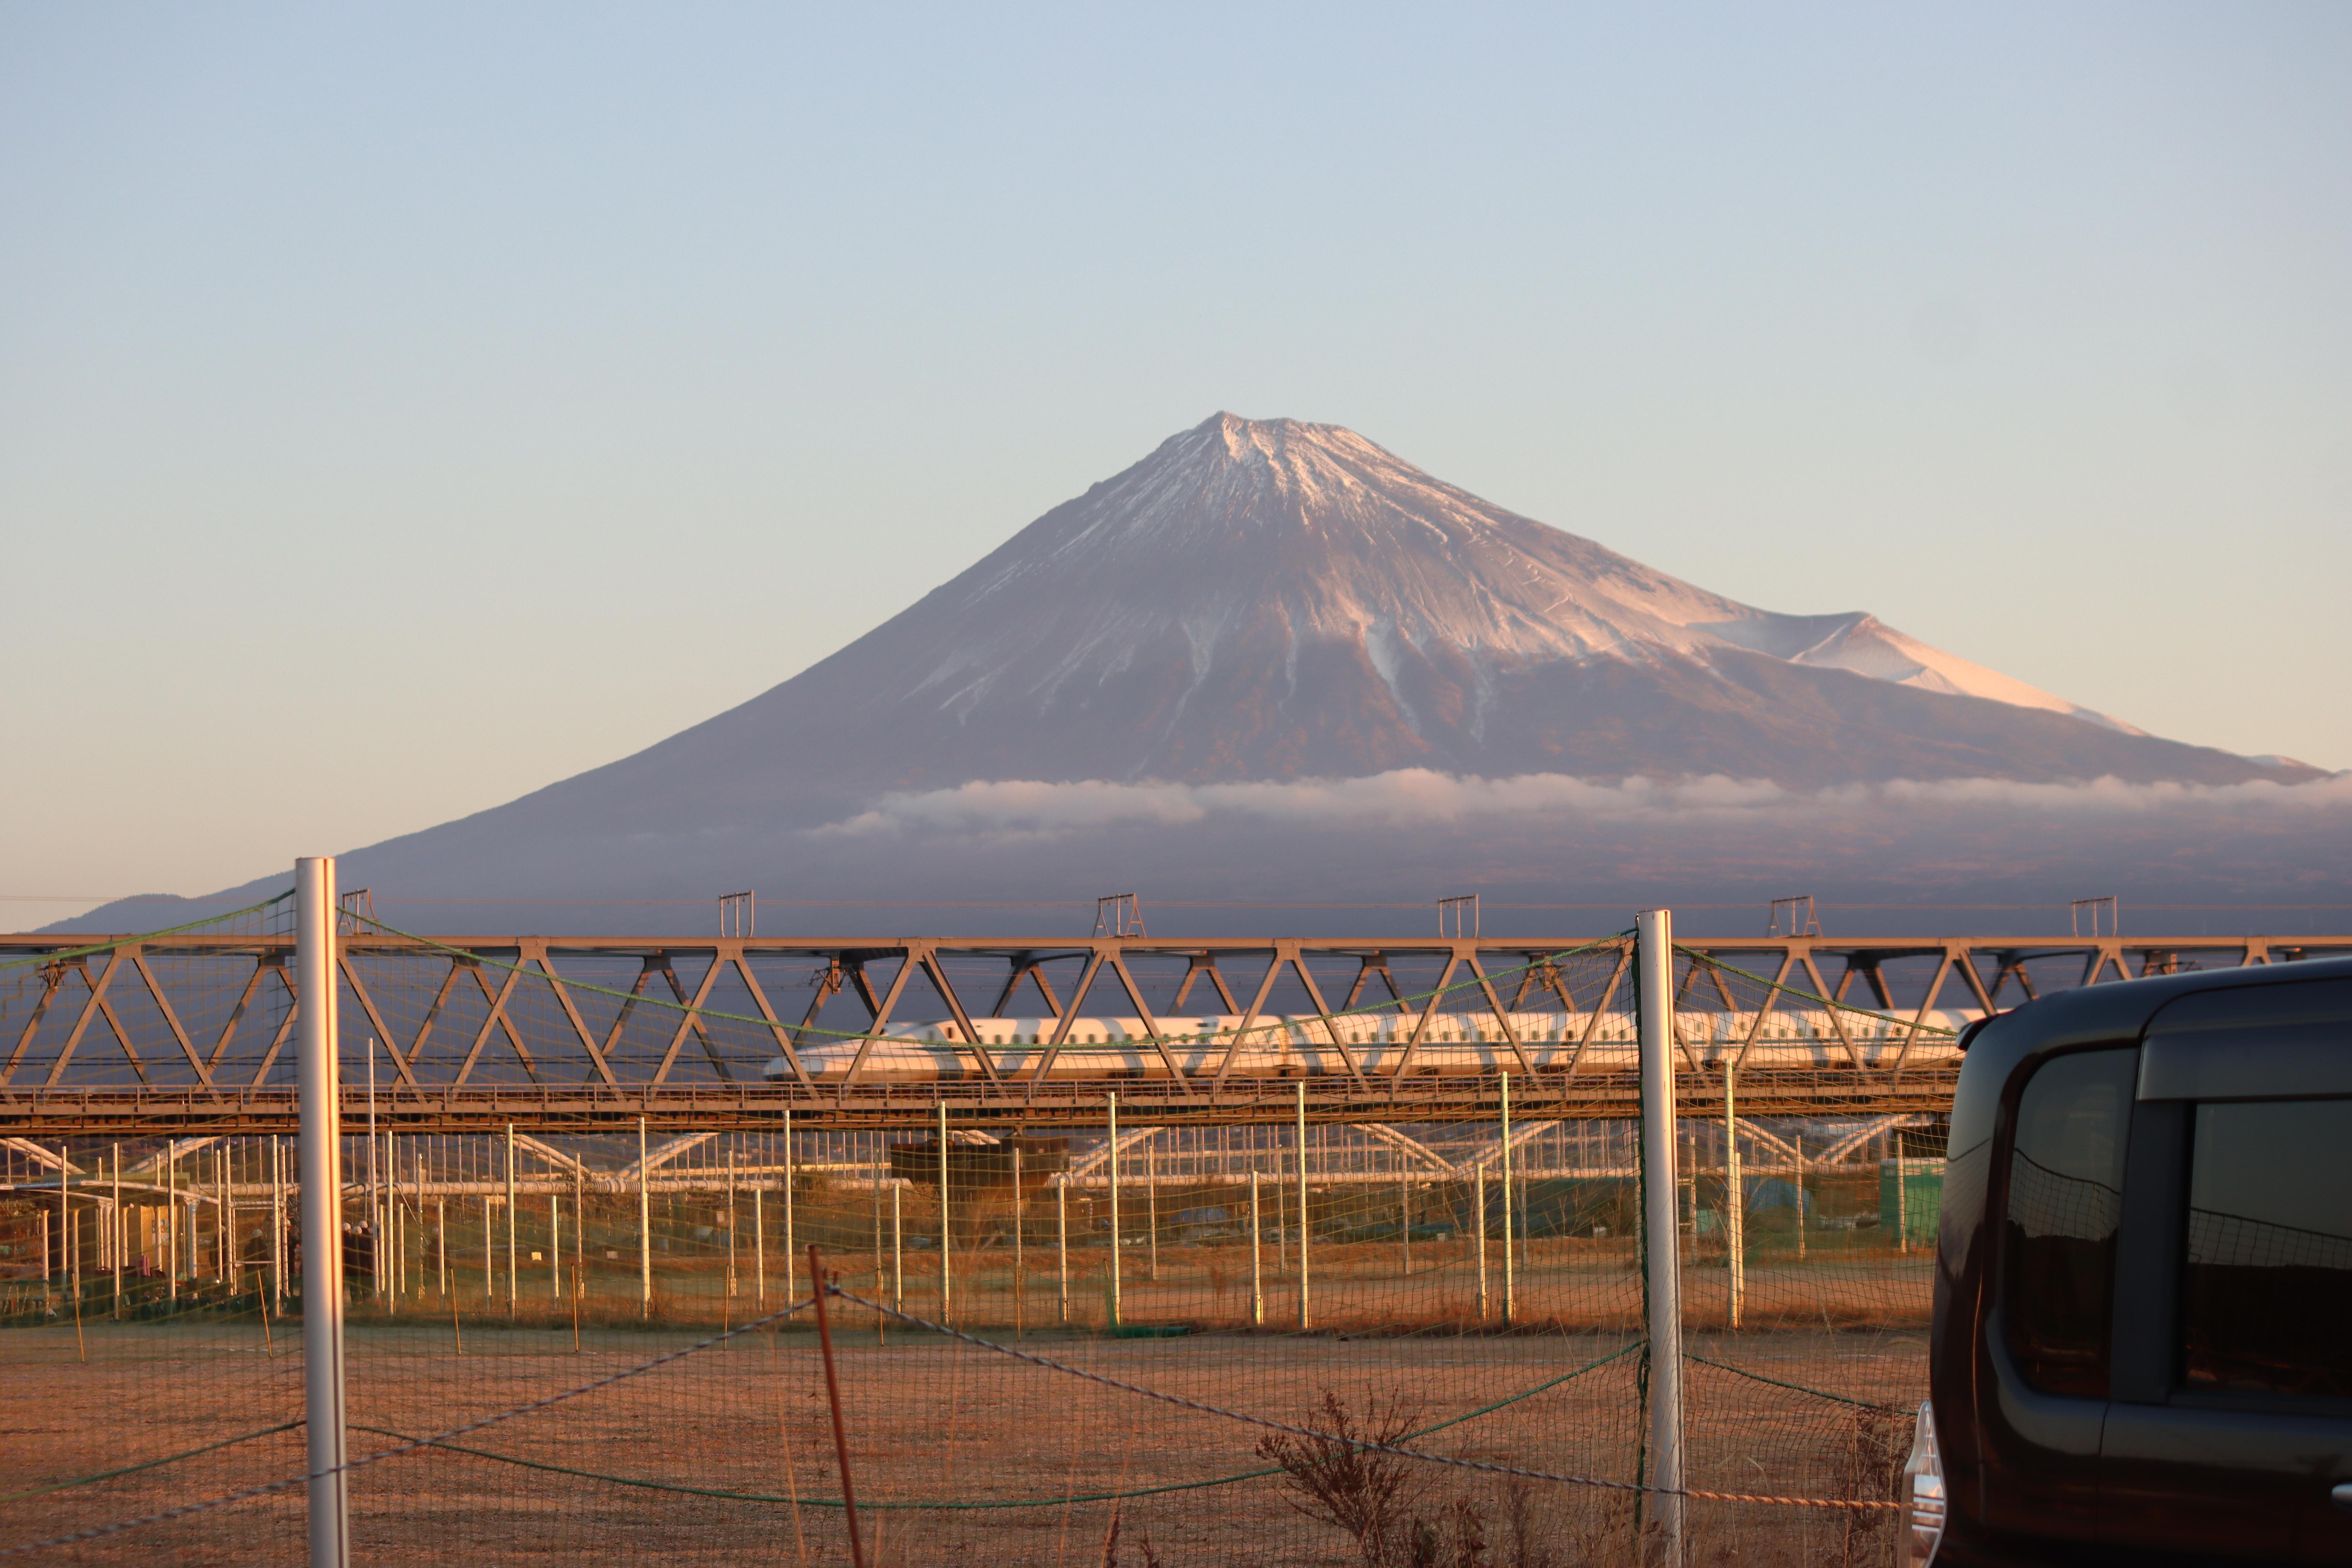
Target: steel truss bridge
[189,1034]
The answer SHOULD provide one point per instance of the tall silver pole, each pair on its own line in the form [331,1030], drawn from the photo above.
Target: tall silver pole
[1655,953]
[322,1228]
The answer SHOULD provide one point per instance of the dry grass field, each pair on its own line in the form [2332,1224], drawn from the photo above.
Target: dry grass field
[1025,1452]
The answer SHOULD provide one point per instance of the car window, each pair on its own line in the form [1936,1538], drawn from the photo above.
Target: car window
[2267,1289]
[2065,1198]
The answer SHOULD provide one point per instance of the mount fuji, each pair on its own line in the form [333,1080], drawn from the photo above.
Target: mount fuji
[1268,599]
[1269,611]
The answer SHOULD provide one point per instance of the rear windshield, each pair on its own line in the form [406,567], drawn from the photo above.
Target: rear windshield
[2266,1299]
[2065,1199]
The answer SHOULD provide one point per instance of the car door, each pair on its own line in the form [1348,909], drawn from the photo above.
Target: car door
[2231,1425]
[2046,1348]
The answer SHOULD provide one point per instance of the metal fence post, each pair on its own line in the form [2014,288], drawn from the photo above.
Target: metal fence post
[1660,1246]
[1503,1166]
[1304,1217]
[644,1230]
[788,1207]
[1735,1202]
[1257,1257]
[946,1231]
[1111,1161]
[323,1227]
[514,1275]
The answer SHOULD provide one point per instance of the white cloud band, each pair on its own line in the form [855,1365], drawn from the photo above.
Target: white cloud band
[1028,808]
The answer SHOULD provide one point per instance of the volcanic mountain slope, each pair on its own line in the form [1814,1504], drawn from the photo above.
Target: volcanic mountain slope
[1268,599]
[1272,601]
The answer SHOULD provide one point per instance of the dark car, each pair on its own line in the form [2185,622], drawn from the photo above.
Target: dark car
[2142,1349]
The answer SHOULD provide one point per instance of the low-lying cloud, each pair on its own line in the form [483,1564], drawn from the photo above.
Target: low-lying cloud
[1029,809]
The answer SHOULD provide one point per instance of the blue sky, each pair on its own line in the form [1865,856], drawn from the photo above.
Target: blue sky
[401,408]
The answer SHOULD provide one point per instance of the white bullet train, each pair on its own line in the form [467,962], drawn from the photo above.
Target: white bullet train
[1302,1045]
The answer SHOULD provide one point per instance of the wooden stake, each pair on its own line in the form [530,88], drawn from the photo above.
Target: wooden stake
[823,1287]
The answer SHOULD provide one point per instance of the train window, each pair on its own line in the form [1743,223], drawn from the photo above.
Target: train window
[2065,1197]
[2268,1285]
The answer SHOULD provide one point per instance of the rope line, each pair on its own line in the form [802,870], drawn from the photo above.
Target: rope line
[366,1459]
[1803,995]
[110,945]
[996,1503]
[149,1464]
[1271,1425]
[1794,1387]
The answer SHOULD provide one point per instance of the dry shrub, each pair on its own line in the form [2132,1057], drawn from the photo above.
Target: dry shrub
[1397,1516]
[1333,1478]
[1869,1460]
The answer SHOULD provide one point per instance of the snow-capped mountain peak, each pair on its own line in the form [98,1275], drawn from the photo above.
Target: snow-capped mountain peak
[1240,521]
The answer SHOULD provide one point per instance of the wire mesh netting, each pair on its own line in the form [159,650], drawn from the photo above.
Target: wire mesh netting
[1467,1287]
[149,1357]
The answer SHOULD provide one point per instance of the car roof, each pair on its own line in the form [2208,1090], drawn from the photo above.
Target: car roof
[2121,1009]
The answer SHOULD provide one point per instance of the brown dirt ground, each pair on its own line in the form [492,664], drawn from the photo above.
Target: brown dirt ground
[932,1421]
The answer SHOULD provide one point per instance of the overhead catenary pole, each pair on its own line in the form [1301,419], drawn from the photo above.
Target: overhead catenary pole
[322,1237]
[121,1234]
[1661,1248]
[1062,1243]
